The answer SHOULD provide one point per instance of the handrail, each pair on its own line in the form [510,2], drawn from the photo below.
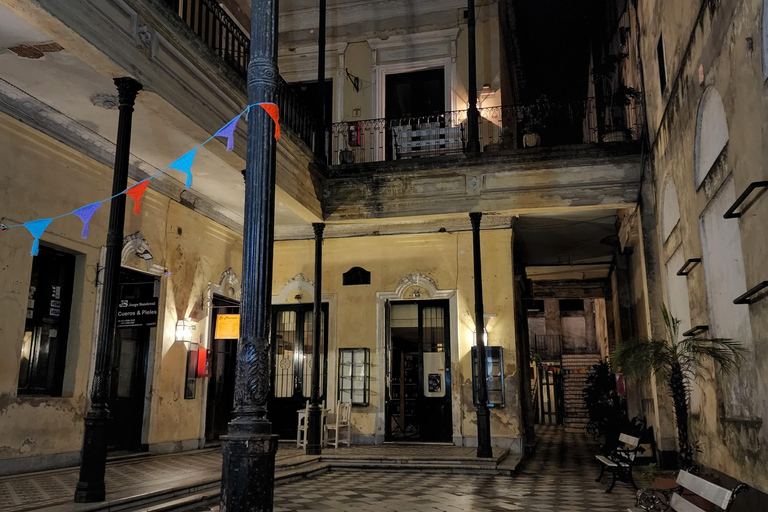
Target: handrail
[748,298]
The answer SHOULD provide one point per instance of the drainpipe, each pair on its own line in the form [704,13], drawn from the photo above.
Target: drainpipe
[483,414]
[473,116]
[315,416]
[248,449]
[90,487]
[320,127]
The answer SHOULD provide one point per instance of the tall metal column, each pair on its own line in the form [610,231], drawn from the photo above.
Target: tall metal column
[473,116]
[321,113]
[248,449]
[90,487]
[483,414]
[315,417]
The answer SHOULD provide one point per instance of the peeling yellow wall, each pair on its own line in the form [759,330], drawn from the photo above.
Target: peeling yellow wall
[42,178]
[446,258]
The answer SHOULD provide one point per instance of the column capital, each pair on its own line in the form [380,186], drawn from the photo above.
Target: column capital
[318,227]
[127,90]
[475,217]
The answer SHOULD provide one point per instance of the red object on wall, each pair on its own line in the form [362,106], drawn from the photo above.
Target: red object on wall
[204,362]
[354,134]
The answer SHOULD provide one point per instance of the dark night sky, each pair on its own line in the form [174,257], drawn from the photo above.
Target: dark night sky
[554,46]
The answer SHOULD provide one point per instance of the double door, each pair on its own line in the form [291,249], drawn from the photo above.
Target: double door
[292,362]
[418,406]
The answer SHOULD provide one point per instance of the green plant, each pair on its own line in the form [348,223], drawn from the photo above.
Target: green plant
[607,410]
[536,115]
[677,360]
[650,471]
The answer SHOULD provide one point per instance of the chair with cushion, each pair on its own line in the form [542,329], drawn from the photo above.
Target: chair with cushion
[301,428]
[336,424]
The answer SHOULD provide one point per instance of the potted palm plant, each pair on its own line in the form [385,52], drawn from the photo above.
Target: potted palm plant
[677,360]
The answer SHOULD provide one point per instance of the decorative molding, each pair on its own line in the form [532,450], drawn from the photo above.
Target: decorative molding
[418,280]
[299,285]
[229,286]
[136,246]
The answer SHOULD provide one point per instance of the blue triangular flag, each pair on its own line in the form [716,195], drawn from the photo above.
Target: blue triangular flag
[184,164]
[85,213]
[228,131]
[37,228]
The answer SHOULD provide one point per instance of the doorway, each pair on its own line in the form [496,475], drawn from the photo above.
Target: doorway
[129,358]
[221,384]
[418,406]
[291,341]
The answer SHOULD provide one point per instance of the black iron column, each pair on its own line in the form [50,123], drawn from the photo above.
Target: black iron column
[90,487]
[473,116]
[321,113]
[483,414]
[248,449]
[315,419]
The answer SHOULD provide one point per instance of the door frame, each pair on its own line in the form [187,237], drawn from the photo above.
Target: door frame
[429,291]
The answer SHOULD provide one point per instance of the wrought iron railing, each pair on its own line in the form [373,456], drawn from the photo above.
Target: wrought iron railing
[548,347]
[220,33]
[501,127]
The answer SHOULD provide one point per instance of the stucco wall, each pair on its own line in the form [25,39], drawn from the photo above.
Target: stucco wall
[445,258]
[724,53]
[42,178]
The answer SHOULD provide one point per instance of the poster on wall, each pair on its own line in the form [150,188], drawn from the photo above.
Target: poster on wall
[435,383]
[227,327]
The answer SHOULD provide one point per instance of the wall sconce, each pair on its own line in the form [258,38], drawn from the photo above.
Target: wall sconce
[485,93]
[184,330]
[489,319]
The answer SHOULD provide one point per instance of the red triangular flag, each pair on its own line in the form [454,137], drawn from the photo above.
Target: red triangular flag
[137,192]
[274,113]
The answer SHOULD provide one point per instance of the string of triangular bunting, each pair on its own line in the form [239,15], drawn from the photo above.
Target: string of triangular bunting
[557,369]
[136,192]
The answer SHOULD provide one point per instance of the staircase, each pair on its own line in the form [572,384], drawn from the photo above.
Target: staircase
[576,416]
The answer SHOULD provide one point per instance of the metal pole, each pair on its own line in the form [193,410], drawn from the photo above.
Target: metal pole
[315,417]
[483,414]
[320,126]
[90,487]
[248,449]
[473,116]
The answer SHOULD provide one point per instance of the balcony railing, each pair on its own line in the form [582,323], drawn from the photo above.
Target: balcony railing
[221,34]
[502,127]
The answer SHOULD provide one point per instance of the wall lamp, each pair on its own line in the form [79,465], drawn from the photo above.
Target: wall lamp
[184,330]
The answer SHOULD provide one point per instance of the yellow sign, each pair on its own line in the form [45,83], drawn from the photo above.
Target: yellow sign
[227,327]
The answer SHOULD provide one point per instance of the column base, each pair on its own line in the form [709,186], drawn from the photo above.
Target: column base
[314,430]
[484,448]
[90,487]
[248,472]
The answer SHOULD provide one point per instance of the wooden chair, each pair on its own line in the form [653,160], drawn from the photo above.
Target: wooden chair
[301,428]
[672,499]
[336,424]
[620,461]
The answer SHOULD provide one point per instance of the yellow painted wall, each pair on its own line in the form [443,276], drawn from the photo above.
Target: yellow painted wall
[446,258]
[42,178]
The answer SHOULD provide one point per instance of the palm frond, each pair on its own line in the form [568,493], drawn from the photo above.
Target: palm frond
[725,352]
[639,358]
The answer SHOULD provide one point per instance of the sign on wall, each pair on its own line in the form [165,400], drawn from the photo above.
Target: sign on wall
[227,327]
[138,310]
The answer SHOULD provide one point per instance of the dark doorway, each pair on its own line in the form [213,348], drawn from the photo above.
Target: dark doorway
[129,365]
[415,94]
[418,404]
[221,384]
[292,364]
[308,93]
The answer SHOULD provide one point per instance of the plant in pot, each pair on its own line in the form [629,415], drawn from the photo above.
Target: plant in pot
[677,361]
[535,117]
[620,99]
[607,410]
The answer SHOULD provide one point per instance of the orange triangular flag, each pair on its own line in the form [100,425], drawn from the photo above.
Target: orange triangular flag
[137,192]
[274,113]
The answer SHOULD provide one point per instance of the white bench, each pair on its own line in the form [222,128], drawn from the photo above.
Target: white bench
[673,499]
[428,138]
[620,461]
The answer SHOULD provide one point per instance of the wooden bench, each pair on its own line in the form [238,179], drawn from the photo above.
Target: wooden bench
[620,461]
[673,499]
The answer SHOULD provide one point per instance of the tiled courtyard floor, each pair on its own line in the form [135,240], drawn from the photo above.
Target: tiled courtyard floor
[558,478]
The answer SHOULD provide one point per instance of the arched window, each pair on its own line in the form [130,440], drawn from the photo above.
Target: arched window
[670,210]
[711,133]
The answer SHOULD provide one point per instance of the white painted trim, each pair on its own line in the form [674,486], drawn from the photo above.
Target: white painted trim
[416,278]
[133,246]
